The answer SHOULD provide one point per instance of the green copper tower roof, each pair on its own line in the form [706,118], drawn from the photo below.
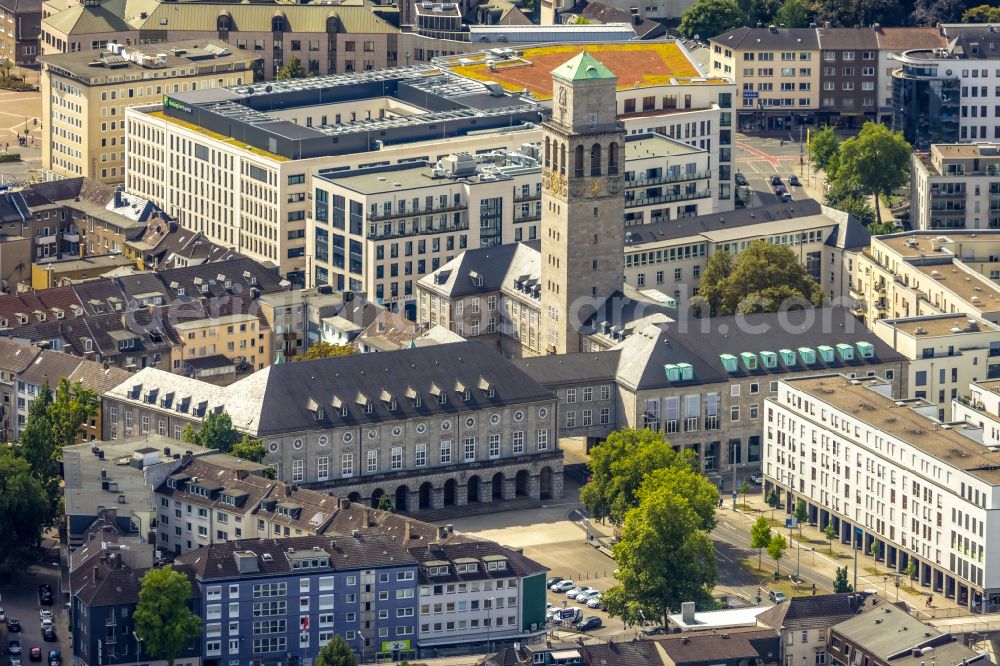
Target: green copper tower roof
[583,67]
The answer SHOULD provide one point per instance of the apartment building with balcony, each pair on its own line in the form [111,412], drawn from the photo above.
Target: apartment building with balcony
[946,352]
[85,95]
[921,273]
[886,469]
[956,186]
[777,74]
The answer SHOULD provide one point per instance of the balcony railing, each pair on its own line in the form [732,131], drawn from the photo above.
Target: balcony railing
[670,198]
[436,230]
[415,212]
[534,196]
[669,178]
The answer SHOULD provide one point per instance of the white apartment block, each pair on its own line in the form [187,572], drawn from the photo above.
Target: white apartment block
[913,274]
[981,407]
[946,352]
[956,186]
[887,470]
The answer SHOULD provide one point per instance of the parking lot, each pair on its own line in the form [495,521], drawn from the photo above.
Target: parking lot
[757,159]
[20,601]
[555,537]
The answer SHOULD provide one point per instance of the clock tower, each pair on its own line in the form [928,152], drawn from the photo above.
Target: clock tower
[583,228]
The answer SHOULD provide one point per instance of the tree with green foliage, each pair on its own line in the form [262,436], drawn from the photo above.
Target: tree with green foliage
[762,278]
[830,533]
[55,420]
[744,490]
[794,14]
[982,14]
[336,653]
[710,18]
[875,549]
[801,514]
[877,161]
[776,550]
[25,509]
[292,69]
[664,555]
[216,432]
[760,538]
[250,449]
[840,584]
[849,196]
[163,619]
[823,146]
[911,568]
[861,13]
[325,350]
[619,465]
[773,500]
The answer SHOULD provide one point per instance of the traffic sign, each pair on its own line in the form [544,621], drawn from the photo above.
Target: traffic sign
[791,522]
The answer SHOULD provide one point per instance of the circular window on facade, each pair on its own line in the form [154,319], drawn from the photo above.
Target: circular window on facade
[445,425]
[348,438]
[519,415]
[273,446]
[421,428]
[542,413]
[469,422]
[373,433]
[494,419]
[397,431]
[297,444]
[323,440]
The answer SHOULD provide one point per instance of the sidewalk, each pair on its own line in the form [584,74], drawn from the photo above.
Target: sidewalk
[871,575]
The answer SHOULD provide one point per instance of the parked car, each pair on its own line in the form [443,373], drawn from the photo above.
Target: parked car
[563,586]
[552,581]
[786,196]
[49,635]
[757,479]
[775,596]
[46,622]
[586,595]
[655,631]
[35,653]
[14,661]
[572,594]
[588,623]
[45,594]
[13,625]
[775,180]
[741,180]
[569,615]
[55,657]
[595,602]
[793,180]
[779,190]
[45,614]
[13,647]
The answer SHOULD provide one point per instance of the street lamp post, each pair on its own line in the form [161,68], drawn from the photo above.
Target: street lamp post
[362,645]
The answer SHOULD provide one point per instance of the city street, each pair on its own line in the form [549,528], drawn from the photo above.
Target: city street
[19,600]
[759,158]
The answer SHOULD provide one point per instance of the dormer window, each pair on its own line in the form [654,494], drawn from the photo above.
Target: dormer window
[171,484]
[180,291]
[393,406]
[443,398]
[417,400]
[343,410]
[204,288]
[491,392]
[369,407]
[88,345]
[467,395]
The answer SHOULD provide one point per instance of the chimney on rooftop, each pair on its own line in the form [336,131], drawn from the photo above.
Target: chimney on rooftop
[97,571]
[687,612]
